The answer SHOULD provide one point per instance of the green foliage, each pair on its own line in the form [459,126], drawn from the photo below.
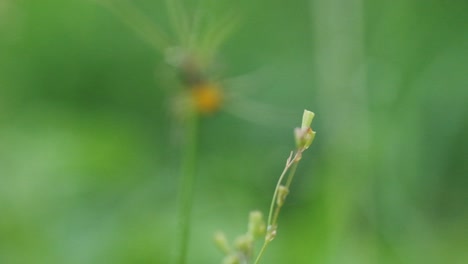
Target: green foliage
[89,171]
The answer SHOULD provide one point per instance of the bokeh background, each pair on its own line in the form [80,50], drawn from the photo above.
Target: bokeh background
[89,156]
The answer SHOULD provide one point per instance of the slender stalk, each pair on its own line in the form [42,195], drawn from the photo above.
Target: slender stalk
[279,206]
[292,173]
[342,65]
[262,250]
[273,214]
[186,190]
[273,200]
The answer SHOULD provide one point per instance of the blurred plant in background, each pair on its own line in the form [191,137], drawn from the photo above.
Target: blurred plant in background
[192,49]
[192,53]
[87,171]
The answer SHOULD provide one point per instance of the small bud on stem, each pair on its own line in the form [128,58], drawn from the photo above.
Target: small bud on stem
[304,135]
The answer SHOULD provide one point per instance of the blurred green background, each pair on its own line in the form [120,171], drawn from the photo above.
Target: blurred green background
[89,165]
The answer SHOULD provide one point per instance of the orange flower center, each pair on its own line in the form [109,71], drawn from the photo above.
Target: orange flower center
[207,97]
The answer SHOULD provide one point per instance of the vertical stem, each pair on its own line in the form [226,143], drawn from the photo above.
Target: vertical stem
[340,58]
[186,189]
[275,193]
[260,254]
[292,173]
[275,210]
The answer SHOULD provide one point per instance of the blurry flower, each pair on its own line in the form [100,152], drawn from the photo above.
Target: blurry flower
[207,97]
[191,48]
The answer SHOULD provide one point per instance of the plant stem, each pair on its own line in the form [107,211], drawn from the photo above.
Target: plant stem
[273,200]
[260,254]
[292,173]
[273,214]
[186,189]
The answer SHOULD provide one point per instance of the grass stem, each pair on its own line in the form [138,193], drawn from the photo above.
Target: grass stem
[262,250]
[273,214]
[186,190]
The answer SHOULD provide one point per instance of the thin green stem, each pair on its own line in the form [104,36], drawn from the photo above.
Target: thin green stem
[186,190]
[275,210]
[292,172]
[262,250]
[273,200]
[290,176]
